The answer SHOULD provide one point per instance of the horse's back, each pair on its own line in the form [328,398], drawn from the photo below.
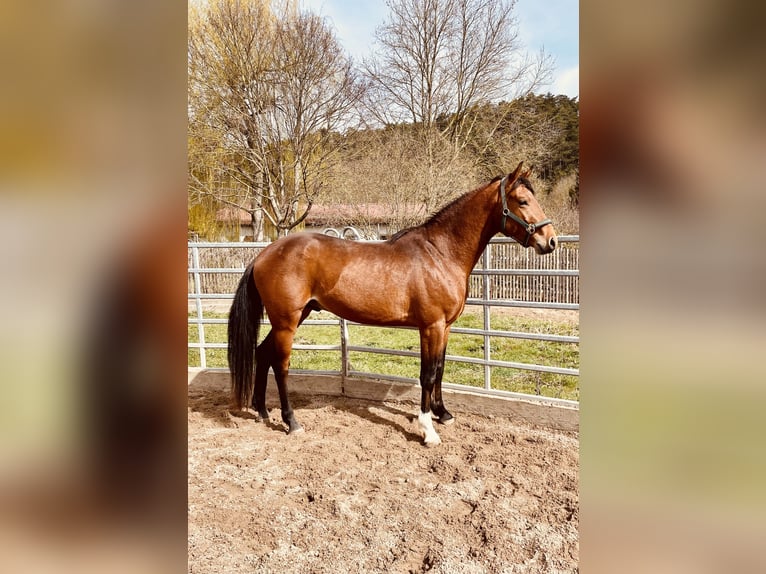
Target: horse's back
[304,249]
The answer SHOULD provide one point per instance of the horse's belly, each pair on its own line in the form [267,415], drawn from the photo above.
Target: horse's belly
[373,298]
[367,311]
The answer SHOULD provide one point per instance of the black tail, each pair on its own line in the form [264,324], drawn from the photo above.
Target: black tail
[244,323]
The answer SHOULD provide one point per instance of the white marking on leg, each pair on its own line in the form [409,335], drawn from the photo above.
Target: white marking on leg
[426,428]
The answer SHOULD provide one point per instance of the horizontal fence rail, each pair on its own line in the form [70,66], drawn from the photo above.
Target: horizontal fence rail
[507,276]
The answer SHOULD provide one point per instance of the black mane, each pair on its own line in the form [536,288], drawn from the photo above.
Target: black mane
[441,213]
[399,234]
[454,204]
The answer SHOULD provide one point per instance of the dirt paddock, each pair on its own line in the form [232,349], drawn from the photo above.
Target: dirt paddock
[358,492]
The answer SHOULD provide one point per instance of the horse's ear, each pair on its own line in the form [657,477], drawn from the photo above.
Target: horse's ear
[526,174]
[515,174]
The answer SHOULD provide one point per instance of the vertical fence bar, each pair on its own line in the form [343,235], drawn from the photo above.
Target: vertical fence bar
[485,265]
[198,301]
[345,361]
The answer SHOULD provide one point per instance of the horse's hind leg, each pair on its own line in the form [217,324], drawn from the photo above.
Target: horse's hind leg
[264,355]
[283,341]
[282,347]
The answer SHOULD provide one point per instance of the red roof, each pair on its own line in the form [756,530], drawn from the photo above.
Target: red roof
[230,215]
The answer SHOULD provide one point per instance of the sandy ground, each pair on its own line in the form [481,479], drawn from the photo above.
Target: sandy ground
[358,492]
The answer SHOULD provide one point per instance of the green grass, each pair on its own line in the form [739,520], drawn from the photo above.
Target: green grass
[502,349]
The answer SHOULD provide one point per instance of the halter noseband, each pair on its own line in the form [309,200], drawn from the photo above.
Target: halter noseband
[530,227]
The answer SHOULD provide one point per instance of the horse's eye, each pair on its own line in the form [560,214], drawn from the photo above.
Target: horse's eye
[523,202]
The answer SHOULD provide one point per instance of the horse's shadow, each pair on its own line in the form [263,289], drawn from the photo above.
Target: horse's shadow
[362,410]
[214,403]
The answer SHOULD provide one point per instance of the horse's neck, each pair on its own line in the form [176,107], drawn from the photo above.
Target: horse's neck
[464,235]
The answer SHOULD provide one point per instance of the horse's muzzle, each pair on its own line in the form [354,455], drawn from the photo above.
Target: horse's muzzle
[543,247]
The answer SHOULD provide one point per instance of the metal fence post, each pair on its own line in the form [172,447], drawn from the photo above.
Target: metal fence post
[485,265]
[198,301]
[344,358]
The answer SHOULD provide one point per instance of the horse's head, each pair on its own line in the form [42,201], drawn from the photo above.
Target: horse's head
[522,217]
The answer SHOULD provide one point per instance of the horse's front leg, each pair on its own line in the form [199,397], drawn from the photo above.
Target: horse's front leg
[432,349]
[437,403]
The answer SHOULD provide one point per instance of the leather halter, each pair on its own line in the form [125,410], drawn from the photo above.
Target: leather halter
[531,228]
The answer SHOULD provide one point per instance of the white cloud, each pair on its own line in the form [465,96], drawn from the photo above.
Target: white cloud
[567,82]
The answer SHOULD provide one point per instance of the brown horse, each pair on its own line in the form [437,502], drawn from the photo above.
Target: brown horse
[418,278]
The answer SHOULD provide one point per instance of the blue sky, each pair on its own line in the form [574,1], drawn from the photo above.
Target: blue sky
[552,24]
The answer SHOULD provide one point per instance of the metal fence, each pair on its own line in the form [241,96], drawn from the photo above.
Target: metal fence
[505,269]
[517,274]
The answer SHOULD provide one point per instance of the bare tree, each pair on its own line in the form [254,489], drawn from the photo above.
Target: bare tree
[438,63]
[509,132]
[441,59]
[229,47]
[390,160]
[266,94]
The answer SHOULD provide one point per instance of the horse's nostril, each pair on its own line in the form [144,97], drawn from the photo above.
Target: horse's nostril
[553,242]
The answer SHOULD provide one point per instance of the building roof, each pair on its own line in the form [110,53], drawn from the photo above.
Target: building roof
[232,214]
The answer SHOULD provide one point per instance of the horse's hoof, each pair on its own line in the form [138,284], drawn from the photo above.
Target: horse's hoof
[446,419]
[264,417]
[426,430]
[432,441]
[297,429]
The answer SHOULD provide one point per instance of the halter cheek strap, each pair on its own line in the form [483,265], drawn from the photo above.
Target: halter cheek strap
[531,228]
